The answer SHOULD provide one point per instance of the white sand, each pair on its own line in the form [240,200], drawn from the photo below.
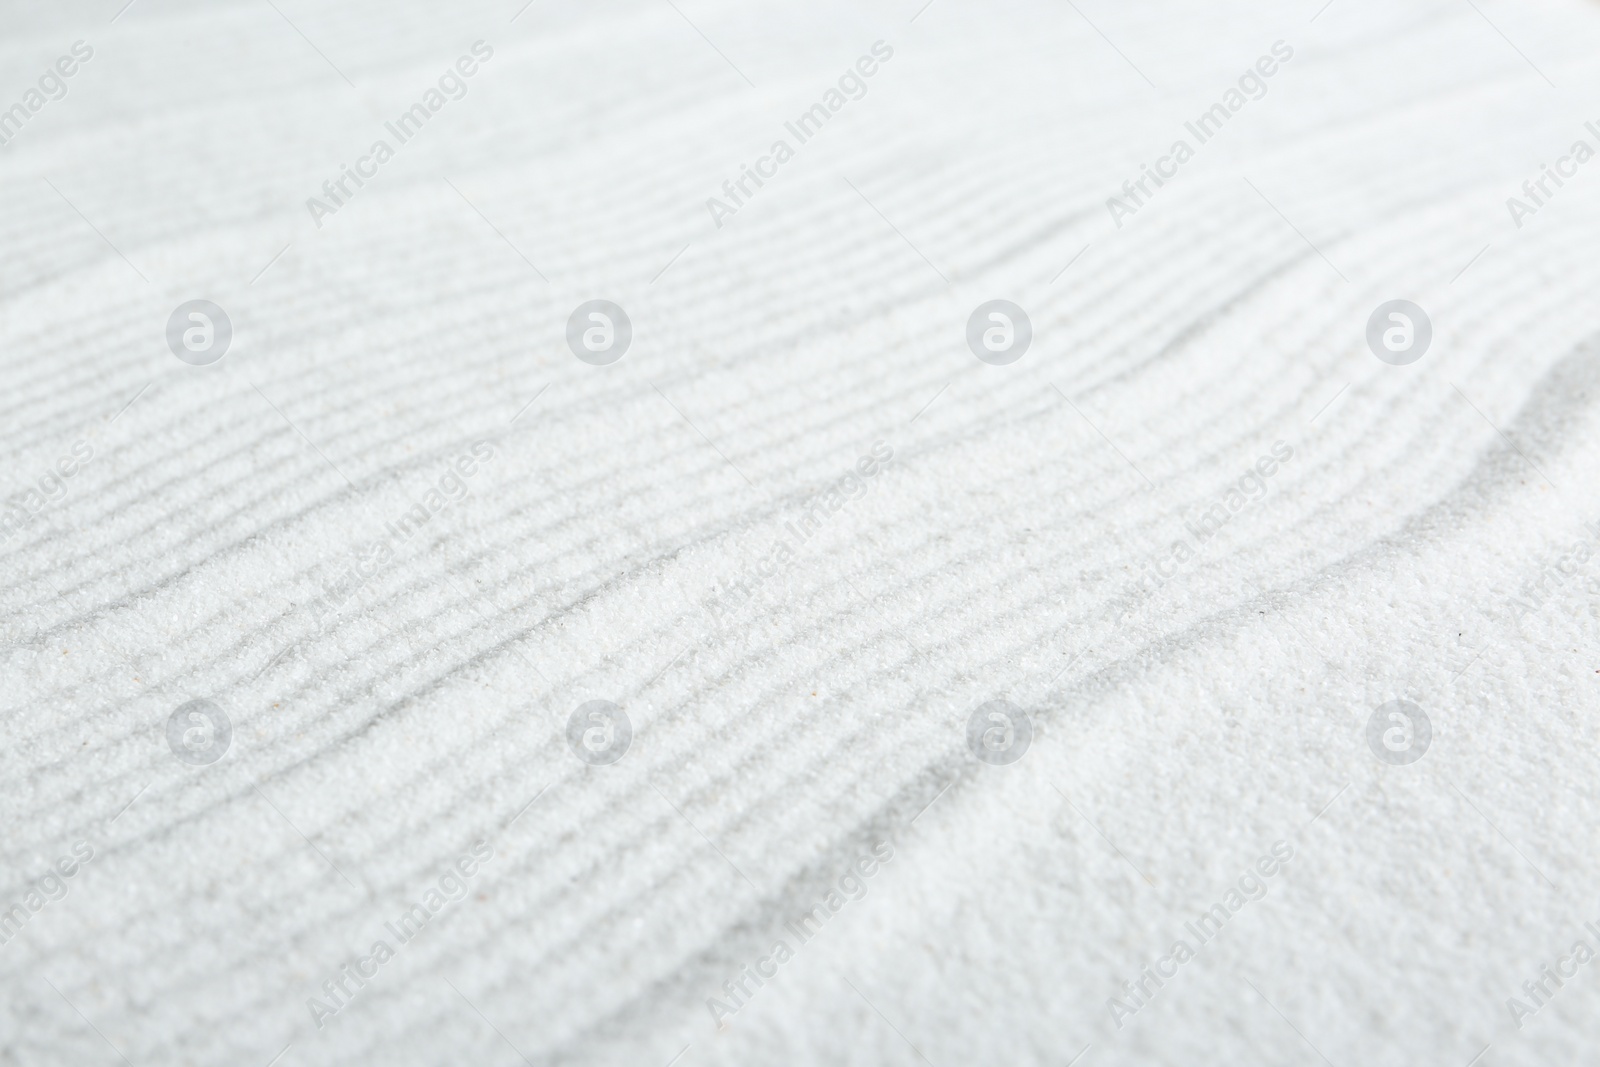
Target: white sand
[1180,727]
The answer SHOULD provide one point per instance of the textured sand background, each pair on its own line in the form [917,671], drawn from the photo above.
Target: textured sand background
[1427,537]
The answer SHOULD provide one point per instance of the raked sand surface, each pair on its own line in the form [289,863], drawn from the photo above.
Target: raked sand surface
[1197,536]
